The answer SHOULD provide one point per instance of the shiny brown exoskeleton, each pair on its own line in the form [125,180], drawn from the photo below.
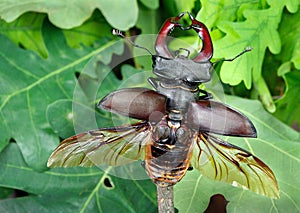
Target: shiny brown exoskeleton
[178,120]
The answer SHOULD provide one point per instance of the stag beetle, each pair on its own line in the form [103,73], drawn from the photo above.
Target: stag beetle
[178,125]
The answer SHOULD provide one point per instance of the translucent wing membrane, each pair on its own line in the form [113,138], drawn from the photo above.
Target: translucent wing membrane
[223,161]
[112,146]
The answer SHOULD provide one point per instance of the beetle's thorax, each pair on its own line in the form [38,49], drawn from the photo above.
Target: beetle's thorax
[179,94]
[182,68]
[178,79]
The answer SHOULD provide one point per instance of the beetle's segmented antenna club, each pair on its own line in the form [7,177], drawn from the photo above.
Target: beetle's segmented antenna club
[117,32]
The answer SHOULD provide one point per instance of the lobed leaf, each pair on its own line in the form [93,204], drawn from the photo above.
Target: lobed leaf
[32,87]
[69,14]
[27,32]
[69,190]
[258,32]
[288,103]
[288,106]
[279,149]
[28,88]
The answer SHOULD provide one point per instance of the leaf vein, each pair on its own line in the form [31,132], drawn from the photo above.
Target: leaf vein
[55,72]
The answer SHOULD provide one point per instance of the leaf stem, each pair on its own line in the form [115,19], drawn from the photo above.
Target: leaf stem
[165,199]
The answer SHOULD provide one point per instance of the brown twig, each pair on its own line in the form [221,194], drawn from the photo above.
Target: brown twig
[165,199]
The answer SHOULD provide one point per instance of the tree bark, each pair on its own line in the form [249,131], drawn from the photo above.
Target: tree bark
[165,199]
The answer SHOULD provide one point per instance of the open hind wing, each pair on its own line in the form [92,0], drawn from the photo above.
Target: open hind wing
[223,161]
[112,146]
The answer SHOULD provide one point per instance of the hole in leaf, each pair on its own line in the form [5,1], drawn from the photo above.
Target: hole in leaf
[108,183]
[190,168]
[22,46]
[12,140]
[19,193]
[77,75]
[217,203]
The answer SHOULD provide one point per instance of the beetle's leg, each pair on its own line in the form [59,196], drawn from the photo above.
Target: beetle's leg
[161,47]
[154,82]
[207,48]
[206,95]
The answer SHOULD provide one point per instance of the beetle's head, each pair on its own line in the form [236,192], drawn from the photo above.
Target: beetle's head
[182,69]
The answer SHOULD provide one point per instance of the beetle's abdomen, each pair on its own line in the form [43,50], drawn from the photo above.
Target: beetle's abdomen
[168,155]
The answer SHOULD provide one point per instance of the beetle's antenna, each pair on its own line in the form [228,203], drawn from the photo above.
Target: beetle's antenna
[247,49]
[119,33]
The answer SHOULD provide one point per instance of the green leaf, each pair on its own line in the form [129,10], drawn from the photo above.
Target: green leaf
[28,88]
[141,57]
[296,55]
[91,30]
[290,41]
[212,13]
[183,6]
[69,14]
[151,4]
[148,21]
[26,31]
[60,117]
[120,16]
[277,145]
[259,32]
[5,192]
[95,88]
[37,96]
[174,7]
[93,85]
[71,190]
[291,5]
[265,94]
[288,107]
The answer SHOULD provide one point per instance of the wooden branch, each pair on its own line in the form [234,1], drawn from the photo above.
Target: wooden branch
[165,199]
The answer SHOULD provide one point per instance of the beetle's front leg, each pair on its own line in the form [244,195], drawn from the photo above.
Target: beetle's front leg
[206,95]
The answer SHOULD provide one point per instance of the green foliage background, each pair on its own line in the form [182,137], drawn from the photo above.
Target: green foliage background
[46,44]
